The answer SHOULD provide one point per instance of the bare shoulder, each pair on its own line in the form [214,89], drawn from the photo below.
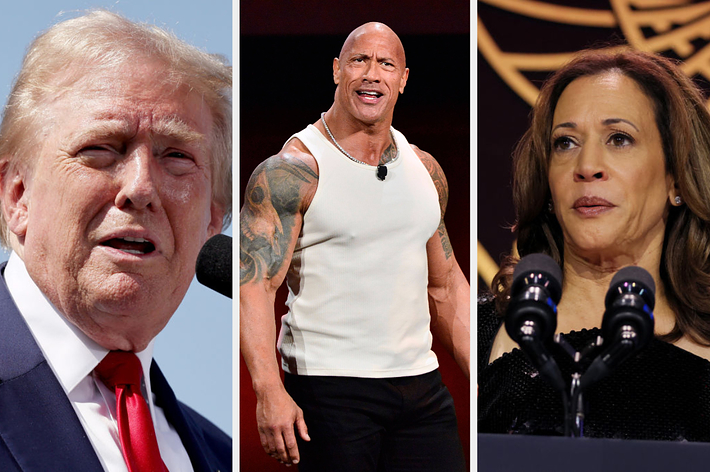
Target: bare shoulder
[291,177]
[295,159]
[437,176]
[295,152]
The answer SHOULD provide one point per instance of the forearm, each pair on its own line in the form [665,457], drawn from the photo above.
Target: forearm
[257,337]
[450,308]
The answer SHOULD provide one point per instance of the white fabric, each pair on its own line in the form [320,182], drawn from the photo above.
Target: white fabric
[358,279]
[73,357]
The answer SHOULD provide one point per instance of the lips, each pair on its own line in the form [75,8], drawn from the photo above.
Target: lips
[130,244]
[590,205]
[371,96]
[369,93]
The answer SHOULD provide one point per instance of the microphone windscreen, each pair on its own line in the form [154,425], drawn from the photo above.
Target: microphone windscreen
[635,274]
[214,264]
[538,262]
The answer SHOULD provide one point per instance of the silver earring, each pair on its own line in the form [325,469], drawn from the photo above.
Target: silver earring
[678,200]
[550,206]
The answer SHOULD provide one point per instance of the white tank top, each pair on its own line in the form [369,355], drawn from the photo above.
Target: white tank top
[358,279]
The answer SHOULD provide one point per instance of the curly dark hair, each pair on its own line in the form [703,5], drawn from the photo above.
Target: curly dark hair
[683,121]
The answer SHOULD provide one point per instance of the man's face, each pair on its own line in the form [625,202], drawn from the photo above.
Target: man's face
[370,74]
[118,203]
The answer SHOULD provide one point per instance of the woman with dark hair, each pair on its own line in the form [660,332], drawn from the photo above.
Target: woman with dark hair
[614,171]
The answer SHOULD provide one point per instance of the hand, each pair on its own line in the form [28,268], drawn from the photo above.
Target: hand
[276,414]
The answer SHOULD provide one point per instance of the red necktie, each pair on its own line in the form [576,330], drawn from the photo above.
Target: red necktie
[121,371]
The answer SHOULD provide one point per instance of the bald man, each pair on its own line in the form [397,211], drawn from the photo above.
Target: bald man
[353,216]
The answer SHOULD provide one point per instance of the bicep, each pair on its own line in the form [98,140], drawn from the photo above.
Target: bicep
[270,219]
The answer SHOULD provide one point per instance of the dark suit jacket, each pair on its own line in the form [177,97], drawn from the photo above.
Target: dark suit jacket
[39,430]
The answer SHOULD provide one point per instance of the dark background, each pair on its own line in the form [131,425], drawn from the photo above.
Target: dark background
[286,51]
[503,115]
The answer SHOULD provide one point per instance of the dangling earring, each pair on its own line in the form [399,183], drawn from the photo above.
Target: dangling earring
[550,206]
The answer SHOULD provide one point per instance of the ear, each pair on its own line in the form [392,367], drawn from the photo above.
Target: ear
[674,193]
[403,80]
[216,220]
[336,71]
[15,196]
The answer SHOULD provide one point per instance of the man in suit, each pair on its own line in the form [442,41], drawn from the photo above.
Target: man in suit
[115,157]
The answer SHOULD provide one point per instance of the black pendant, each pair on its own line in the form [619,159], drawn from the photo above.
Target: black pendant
[381,172]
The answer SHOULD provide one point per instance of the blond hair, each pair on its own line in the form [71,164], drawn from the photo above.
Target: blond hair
[101,40]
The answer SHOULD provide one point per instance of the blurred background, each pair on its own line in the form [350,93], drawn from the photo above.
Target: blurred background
[195,350]
[286,51]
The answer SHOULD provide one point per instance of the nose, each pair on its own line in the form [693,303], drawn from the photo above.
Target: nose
[590,165]
[136,178]
[371,73]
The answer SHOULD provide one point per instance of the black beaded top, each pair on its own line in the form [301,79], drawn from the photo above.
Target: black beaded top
[662,393]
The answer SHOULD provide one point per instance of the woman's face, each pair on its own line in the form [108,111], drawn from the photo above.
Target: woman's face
[607,173]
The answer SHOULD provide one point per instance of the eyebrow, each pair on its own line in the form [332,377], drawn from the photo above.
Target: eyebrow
[566,124]
[363,55]
[606,122]
[171,127]
[613,121]
[175,128]
[102,130]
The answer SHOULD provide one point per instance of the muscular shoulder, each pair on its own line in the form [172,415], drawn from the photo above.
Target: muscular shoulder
[277,196]
[437,176]
[289,177]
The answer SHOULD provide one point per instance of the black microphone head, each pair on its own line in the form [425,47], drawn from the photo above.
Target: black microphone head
[534,265]
[632,279]
[629,302]
[534,295]
[214,264]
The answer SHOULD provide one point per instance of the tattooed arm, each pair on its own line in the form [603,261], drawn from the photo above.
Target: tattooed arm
[449,291]
[276,198]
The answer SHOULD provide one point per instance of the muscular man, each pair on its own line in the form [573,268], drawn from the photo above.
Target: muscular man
[353,216]
[115,157]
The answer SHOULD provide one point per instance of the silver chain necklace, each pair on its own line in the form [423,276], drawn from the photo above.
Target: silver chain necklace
[381,168]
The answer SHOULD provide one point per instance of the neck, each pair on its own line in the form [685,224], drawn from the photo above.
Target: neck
[586,283]
[369,143]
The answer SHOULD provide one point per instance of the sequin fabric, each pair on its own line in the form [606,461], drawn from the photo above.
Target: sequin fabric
[663,393]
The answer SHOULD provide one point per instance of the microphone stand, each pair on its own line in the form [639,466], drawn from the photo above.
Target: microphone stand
[574,402]
[576,407]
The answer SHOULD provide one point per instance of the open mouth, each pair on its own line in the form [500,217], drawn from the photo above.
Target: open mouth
[368,93]
[137,246]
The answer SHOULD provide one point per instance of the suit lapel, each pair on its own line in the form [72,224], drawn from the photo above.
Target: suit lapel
[38,424]
[190,433]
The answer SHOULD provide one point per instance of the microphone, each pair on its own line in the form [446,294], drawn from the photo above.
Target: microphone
[214,264]
[531,317]
[628,321]
[381,172]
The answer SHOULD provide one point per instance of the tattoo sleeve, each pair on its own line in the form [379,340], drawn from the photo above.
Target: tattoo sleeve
[442,188]
[267,221]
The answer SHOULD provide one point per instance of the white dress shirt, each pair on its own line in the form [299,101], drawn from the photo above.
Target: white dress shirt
[72,357]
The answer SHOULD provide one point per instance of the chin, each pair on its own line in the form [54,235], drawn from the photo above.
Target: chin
[132,295]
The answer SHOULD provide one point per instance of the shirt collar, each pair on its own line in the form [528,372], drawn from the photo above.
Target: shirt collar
[71,354]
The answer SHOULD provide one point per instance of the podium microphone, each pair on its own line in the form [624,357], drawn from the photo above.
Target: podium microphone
[214,264]
[531,317]
[628,321]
